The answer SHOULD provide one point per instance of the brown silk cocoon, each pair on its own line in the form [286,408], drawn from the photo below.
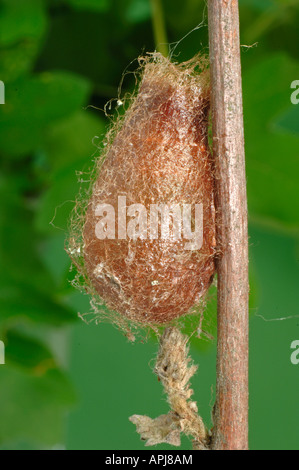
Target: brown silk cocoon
[159,155]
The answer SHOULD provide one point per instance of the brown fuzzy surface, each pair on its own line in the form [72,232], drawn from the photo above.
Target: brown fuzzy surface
[159,155]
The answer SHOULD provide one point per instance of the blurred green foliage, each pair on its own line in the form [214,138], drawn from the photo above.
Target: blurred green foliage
[70,384]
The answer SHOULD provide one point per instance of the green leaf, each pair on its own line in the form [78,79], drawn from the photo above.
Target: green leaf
[71,140]
[31,104]
[55,258]
[69,147]
[22,303]
[28,353]
[273,327]
[288,121]
[258,5]
[17,60]
[271,156]
[27,291]
[138,11]
[21,19]
[34,406]
[89,48]
[23,24]
[93,5]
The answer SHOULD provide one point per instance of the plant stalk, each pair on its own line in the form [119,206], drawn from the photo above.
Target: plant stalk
[159,27]
[230,430]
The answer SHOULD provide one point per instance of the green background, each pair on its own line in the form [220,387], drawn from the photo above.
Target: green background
[70,385]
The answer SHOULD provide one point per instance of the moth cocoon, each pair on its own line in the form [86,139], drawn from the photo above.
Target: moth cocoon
[149,229]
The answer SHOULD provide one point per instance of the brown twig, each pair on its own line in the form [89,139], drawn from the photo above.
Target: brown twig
[231,407]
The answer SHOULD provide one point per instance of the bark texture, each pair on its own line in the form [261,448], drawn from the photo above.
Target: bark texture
[231,407]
